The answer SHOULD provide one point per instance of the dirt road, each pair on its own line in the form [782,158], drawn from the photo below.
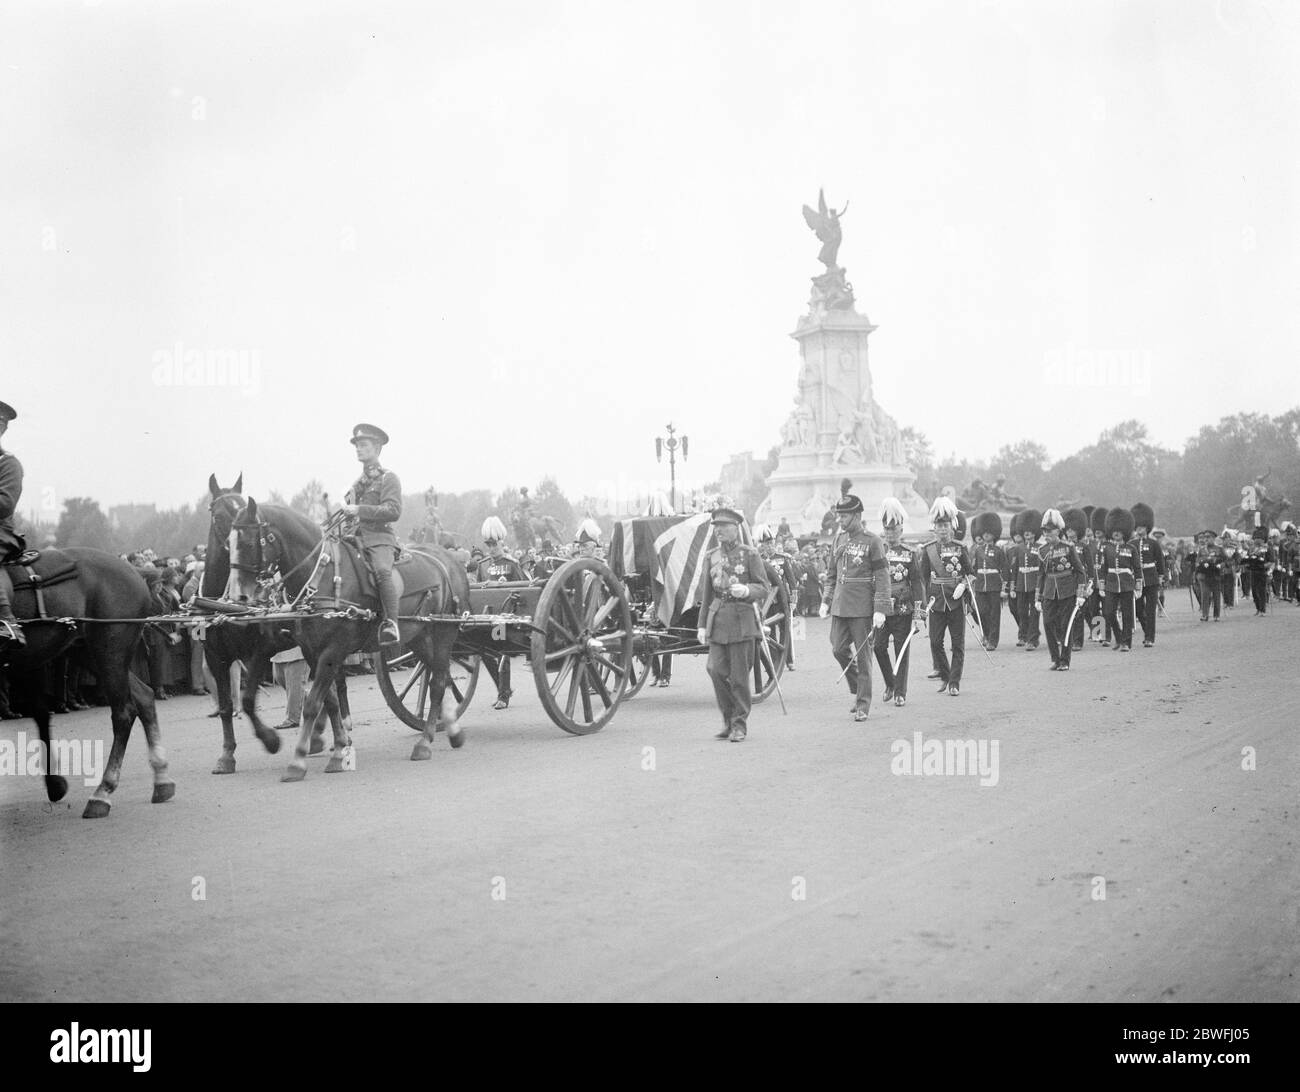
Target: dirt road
[650,862]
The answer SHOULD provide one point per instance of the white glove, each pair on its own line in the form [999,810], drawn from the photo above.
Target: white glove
[739,591]
[701,637]
[1078,599]
[823,610]
[877,619]
[916,624]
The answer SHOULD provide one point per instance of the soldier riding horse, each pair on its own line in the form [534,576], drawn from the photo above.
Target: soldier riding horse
[329,574]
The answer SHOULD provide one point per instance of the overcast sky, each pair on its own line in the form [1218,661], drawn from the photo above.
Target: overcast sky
[523,236]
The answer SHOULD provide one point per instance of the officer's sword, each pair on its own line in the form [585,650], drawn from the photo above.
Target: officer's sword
[971,623]
[907,641]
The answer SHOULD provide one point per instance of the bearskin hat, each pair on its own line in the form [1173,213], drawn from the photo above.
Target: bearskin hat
[959,527]
[1031,522]
[1121,520]
[1260,534]
[1053,518]
[1076,520]
[1143,516]
[943,509]
[1087,510]
[493,530]
[892,512]
[1097,521]
[986,523]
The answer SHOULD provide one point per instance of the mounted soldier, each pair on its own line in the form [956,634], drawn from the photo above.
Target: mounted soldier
[11,542]
[375,502]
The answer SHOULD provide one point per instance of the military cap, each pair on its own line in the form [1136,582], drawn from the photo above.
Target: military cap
[726,515]
[7,412]
[369,432]
[848,504]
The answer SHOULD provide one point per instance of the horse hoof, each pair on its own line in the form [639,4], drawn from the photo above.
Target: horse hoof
[421,751]
[317,745]
[455,736]
[163,791]
[293,773]
[270,741]
[225,764]
[334,765]
[96,809]
[56,788]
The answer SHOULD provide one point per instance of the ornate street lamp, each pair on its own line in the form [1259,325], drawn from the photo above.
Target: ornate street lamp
[672,444]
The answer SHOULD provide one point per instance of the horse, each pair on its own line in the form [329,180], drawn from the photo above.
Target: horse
[252,644]
[271,539]
[113,598]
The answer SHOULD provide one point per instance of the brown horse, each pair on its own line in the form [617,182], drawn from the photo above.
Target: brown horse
[108,589]
[252,645]
[328,574]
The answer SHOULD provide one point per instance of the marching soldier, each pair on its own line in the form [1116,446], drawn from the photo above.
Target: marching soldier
[1151,559]
[1078,535]
[1208,574]
[1228,572]
[1024,564]
[1123,576]
[1062,587]
[498,568]
[1098,622]
[785,567]
[1011,552]
[375,502]
[11,542]
[735,583]
[1291,577]
[905,608]
[945,569]
[1259,564]
[992,574]
[857,590]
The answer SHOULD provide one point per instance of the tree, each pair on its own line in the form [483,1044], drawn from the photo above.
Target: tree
[549,500]
[82,523]
[310,501]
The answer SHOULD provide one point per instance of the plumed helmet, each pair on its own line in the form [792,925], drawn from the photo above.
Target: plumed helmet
[1097,521]
[943,510]
[1053,518]
[987,523]
[1143,516]
[892,512]
[763,532]
[1121,520]
[1076,520]
[589,530]
[493,530]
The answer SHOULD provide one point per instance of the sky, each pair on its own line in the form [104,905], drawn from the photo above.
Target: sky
[523,237]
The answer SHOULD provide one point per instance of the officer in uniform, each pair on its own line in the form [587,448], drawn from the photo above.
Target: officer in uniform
[1062,586]
[1098,623]
[856,598]
[992,574]
[588,538]
[11,542]
[905,608]
[1078,534]
[1228,571]
[1151,559]
[945,569]
[1123,576]
[1023,563]
[1259,563]
[498,568]
[375,502]
[1011,553]
[734,583]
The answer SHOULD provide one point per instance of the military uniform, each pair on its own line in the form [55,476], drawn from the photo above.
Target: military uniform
[944,568]
[904,610]
[991,575]
[1023,563]
[499,570]
[11,542]
[1123,573]
[1208,573]
[731,628]
[857,588]
[1062,585]
[377,493]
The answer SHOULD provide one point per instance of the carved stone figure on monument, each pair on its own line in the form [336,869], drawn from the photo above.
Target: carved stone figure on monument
[790,430]
[825,222]
[865,435]
[847,449]
[807,426]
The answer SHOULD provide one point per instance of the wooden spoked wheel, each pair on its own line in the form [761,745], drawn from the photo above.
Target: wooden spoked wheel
[581,649]
[404,682]
[772,649]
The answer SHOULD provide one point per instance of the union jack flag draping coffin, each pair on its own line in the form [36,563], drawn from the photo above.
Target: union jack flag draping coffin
[670,551]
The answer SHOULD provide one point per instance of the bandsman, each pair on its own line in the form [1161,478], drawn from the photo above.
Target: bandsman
[1151,559]
[735,583]
[1062,588]
[991,577]
[375,502]
[1123,576]
[946,571]
[498,568]
[1024,565]
[856,598]
[906,609]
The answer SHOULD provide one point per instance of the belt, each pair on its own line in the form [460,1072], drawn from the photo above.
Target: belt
[1148,564]
[857,579]
[987,572]
[1029,568]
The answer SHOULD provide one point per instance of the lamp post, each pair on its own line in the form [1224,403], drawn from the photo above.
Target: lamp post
[672,444]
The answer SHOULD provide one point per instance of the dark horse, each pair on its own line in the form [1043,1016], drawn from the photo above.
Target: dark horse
[253,645]
[104,587]
[328,574]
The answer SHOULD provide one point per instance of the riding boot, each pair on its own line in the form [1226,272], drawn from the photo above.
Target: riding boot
[388,631]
